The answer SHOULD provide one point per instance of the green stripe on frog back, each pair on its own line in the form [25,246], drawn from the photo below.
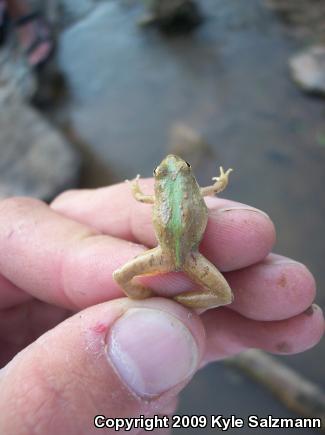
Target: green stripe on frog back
[174,198]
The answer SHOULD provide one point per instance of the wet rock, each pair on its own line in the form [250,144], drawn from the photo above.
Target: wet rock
[173,15]
[305,18]
[74,10]
[188,143]
[35,160]
[16,79]
[191,145]
[308,70]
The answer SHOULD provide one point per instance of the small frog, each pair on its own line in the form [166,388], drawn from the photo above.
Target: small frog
[180,217]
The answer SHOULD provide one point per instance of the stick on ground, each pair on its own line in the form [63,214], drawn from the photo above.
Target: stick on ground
[292,389]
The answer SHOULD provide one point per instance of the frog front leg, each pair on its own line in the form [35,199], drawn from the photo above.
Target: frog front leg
[215,289]
[138,194]
[150,262]
[220,184]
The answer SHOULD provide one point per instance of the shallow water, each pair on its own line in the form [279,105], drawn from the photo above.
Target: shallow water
[229,80]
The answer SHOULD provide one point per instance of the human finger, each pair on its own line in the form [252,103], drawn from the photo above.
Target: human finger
[229,333]
[66,263]
[236,236]
[274,289]
[10,294]
[23,323]
[53,258]
[56,259]
[119,359]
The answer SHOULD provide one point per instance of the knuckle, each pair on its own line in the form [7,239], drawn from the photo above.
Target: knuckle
[18,204]
[15,215]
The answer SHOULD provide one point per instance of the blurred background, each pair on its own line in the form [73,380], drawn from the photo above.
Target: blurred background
[227,82]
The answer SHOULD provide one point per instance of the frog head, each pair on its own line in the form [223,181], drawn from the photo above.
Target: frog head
[171,167]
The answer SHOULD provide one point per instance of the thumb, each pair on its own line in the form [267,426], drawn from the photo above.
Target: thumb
[118,359]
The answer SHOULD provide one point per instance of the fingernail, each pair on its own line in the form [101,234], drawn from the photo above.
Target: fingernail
[310,310]
[152,351]
[243,208]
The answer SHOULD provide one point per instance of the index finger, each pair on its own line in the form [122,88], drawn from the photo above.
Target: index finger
[61,261]
[236,236]
[56,259]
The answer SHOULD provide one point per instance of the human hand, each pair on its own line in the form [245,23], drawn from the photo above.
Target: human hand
[124,358]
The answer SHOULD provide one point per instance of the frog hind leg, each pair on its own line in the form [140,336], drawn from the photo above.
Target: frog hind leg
[215,289]
[150,262]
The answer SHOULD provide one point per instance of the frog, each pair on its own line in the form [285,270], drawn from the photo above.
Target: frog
[179,217]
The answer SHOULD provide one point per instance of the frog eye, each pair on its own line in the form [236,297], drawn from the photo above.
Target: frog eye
[155,172]
[188,165]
